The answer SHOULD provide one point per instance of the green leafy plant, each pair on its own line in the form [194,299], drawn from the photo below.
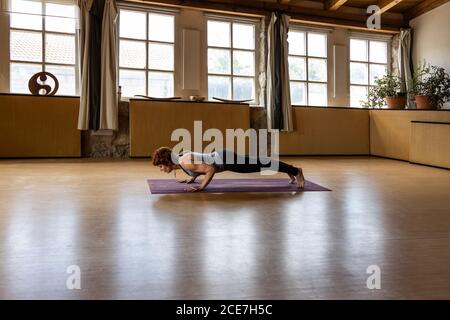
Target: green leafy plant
[417,82]
[387,86]
[433,82]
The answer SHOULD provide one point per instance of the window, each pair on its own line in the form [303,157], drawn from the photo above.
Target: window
[231,60]
[368,61]
[308,68]
[38,44]
[146,53]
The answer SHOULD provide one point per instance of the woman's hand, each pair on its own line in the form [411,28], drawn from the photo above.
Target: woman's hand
[194,189]
[186,181]
[206,169]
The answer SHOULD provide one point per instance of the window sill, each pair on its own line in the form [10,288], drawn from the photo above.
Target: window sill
[373,109]
[32,95]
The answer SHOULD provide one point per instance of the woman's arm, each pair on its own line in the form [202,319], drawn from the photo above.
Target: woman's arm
[206,169]
[188,180]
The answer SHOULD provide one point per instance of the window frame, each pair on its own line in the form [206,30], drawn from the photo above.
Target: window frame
[306,56]
[43,33]
[368,38]
[147,41]
[255,22]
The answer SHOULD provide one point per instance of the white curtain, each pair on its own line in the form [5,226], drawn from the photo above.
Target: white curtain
[108,91]
[98,65]
[279,108]
[404,59]
[84,40]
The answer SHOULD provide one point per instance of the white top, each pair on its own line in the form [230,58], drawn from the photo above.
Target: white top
[212,158]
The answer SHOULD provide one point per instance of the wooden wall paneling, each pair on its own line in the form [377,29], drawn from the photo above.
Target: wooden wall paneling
[152,122]
[328,131]
[390,130]
[37,126]
[430,144]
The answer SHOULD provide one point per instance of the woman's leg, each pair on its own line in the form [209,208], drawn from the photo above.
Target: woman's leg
[244,164]
[296,174]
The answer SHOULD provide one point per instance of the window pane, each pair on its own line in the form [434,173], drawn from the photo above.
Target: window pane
[317,94]
[26,46]
[20,74]
[358,73]
[297,68]
[60,10]
[296,42]
[132,82]
[160,84]
[160,56]
[357,94]
[60,24]
[317,45]
[219,61]
[26,21]
[243,36]
[358,50]
[66,79]
[298,93]
[376,71]
[218,34]
[60,49]
[132,24]
[378,51]
[65,21]
[317,70]
[243,63]
[132,54]
[161,27]
[219,87]
[26,6]
[243,88]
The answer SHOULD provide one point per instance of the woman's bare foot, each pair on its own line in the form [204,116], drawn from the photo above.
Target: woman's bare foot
[300,179]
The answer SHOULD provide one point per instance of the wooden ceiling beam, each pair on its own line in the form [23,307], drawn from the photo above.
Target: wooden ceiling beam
[334,4]
[385,5]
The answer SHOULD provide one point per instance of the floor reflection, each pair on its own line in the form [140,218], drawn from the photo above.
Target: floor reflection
[131,244]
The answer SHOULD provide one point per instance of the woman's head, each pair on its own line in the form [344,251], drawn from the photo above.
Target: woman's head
[162,157]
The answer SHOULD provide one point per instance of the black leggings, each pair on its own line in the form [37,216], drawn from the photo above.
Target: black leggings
[245,164]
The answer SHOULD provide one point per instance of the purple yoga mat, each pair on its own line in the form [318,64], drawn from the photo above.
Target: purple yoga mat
[169,186]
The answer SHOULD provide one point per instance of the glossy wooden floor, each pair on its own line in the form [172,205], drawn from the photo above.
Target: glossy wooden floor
[130,244]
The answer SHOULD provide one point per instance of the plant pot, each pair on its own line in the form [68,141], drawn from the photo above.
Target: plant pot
[396,102]
[422,102]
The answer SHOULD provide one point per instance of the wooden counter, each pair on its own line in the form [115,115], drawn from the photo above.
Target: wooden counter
[39,126]
[152,122]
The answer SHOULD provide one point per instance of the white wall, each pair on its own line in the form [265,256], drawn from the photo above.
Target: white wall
[194,20]
[431,38]
[341,96]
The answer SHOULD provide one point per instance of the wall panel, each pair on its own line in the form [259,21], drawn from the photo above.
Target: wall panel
[152,122]
[328,131]
[430,144]
[34,126]
[390,130]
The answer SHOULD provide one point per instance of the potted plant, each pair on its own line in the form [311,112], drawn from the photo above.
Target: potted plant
[431,86]
[387,91]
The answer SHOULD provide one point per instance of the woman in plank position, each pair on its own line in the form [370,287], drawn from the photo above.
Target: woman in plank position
[195,164]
